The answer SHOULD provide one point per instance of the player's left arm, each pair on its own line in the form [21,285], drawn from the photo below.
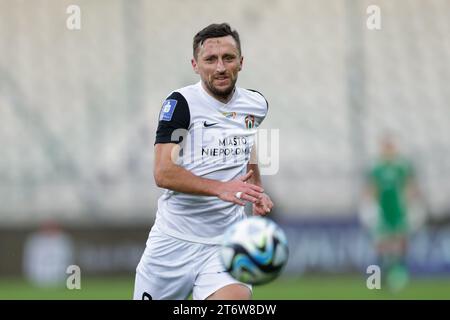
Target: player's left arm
[265,204]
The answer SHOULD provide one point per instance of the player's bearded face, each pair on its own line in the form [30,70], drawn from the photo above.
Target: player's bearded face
[221,83]
[218,64]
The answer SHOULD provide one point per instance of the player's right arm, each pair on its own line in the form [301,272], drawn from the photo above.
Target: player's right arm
[171,176]
[370,191]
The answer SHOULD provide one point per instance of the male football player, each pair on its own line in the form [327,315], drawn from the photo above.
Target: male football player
[392,186]
[204,143]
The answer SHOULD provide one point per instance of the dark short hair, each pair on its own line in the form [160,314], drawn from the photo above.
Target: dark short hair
[215,30]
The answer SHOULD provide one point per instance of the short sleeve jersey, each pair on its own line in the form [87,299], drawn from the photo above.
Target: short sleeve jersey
[216,140]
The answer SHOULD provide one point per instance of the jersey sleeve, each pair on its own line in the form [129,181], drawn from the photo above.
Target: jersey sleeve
[267,107]
[264,104]
[174,115]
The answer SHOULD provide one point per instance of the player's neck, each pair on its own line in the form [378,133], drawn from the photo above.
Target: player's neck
[223,99]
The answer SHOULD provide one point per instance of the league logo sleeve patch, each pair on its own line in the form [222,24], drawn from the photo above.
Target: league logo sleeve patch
[167,110]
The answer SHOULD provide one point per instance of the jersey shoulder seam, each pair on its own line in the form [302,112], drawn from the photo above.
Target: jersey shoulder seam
[253,90]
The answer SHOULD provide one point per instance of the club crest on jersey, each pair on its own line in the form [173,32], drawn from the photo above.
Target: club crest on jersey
[167,110]
[229,114]
[249,122]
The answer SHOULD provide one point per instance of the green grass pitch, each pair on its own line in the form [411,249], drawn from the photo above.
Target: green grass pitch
[308,287]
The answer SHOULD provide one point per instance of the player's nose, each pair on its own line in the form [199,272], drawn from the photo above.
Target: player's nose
[220,67]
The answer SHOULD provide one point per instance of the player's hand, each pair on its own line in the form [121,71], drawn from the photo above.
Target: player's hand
[247,191]
[263,207]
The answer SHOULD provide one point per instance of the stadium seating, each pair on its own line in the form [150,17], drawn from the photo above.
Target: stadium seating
[78,109]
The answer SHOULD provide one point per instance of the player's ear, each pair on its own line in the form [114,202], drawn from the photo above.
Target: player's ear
[194,65]
[241,61]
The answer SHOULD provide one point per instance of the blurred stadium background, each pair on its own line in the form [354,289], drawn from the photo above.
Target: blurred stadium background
[78,113]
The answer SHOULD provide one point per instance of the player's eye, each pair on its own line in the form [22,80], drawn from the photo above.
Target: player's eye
[229,58]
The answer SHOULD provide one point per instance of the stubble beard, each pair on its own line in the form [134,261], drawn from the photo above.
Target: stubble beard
[222,93]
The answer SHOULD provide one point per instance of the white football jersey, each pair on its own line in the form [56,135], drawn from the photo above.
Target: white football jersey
[216,140]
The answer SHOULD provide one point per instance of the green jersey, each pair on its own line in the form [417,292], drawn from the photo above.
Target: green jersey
[390,177]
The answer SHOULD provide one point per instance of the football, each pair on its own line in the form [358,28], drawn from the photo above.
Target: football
[254,250]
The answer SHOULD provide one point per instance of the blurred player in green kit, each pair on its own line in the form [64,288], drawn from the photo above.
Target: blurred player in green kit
[392,188]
